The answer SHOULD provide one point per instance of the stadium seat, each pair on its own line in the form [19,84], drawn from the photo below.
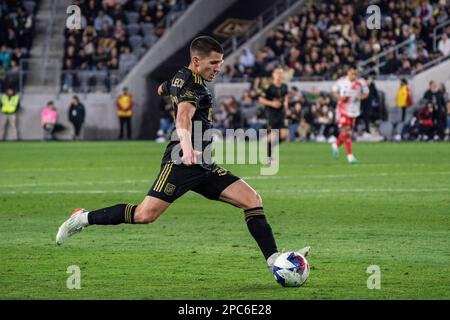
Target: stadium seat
[133,29]
[137,4]
[139,52]
[147,28]
[149,40]
[136,41]
[29,6]
[132,17]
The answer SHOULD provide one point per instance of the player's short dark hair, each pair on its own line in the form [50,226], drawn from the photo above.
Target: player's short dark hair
[204,45]
[277,66]
[352,66]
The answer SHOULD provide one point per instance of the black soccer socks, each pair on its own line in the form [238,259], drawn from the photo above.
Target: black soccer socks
[120,213]
[261,231]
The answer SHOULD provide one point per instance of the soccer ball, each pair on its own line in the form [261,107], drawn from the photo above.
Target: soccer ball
[291,269]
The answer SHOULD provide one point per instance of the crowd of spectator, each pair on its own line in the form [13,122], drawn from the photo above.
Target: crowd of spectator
[311,115]
[114,35]
[431,121]
[324,37]
[16,30]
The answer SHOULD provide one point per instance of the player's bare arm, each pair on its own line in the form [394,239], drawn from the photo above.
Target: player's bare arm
[286,103]
[183,124]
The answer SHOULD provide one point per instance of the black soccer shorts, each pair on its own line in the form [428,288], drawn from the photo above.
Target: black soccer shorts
[276,123]
[175,180]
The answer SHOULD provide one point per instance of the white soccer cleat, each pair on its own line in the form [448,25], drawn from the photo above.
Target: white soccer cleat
[76,222]
[306,251]
[351,159]
[335,150]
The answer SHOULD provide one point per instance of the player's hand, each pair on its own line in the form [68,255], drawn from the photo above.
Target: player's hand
[160,90]
[276,104]
[360,96]
[190,157]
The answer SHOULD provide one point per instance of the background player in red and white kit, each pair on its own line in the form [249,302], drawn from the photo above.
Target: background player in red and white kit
[349,91]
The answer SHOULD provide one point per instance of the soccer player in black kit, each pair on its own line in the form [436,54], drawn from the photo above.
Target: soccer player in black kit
[185,164]
[275,98]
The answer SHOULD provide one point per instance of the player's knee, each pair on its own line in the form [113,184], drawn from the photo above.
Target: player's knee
[254,201]
[146,214]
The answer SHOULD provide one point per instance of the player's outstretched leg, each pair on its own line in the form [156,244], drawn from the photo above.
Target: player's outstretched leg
[147,212]
[241,195]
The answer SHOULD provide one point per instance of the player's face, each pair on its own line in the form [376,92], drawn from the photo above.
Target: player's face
[277,75]
[351,74]
[210,66]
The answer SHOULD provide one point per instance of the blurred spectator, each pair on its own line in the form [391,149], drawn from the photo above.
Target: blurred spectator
[124,104]
[5,57]
[219,117]
[166,122]
[294,116]
[2,76]
[444,45]
[69,77]
[426,125]
[447,138]
[247,59]
[310,127]
[49,119]
[10,104]
[101,19]
[436,97]
[233,119]
[404,97]
[445,94]
[77,115]
[325,123]
[249,110]
[370,108]
[127,60]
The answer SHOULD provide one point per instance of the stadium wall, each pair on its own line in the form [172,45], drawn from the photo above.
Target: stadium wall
[100,123]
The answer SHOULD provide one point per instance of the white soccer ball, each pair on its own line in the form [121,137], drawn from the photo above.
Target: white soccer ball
[291,269]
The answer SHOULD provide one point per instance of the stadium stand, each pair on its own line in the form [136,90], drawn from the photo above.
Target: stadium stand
[16,36]
[319,41]
[114,36]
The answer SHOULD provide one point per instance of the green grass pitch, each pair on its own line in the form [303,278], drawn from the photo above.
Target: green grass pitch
[392,210]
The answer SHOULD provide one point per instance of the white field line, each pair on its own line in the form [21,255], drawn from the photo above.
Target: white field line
[371,165]
[300,176]
[297,192]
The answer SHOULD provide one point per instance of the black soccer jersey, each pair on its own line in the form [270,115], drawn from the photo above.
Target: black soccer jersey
[272,92]
[187,86]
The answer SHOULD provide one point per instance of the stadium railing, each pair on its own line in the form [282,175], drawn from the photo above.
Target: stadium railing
[437,36]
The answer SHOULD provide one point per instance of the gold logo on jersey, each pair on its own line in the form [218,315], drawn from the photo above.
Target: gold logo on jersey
[169,189]
[220,171]
[177,83]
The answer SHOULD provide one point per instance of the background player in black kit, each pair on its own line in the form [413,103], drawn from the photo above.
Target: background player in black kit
[185,164]
[275,98]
